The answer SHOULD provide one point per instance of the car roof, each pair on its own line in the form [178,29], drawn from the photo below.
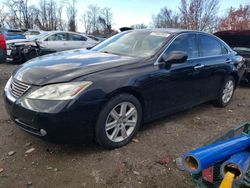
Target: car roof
[66,32]
[35,30]
[165,30]
[171,31]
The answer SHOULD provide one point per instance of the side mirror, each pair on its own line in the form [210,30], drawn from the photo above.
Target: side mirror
[175,57]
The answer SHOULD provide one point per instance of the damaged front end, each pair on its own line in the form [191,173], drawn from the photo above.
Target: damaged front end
[22,52]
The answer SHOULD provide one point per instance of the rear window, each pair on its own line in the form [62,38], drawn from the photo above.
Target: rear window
[57,37]
[14,31]
[209,46]
[75,37]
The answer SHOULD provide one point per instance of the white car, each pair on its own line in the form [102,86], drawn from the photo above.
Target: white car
[61,40]
[57,40]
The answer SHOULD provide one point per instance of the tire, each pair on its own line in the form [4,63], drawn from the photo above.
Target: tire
[226,92]
[3,56]
[31,54]
[113,122]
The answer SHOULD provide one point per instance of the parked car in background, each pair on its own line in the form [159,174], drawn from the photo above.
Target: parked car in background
[17,49]
[240,42]
[3,48]
[21,53]
[11,34]
[62,40]
[32,33]
[134,76]
[52,41]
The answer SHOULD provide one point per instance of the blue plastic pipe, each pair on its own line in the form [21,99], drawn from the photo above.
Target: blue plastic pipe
[204,157]
[238,164]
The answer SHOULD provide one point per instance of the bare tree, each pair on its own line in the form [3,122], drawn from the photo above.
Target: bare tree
[71,13]
[236,19]
[166,18]
[139,26]
[105,20]
[98,21]
[3,17]
[49,16]
[61,23]
[199,14]
[92,18]
[86,22]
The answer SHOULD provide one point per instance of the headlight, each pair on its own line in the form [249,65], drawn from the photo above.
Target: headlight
[7,86]
[64,91]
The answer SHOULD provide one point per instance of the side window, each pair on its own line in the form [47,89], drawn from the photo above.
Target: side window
[35,32]
[224,49]
[210,46]
[75,37]
[57,37]
[186,43]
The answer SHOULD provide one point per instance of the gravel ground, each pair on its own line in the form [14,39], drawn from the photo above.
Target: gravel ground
[135,165]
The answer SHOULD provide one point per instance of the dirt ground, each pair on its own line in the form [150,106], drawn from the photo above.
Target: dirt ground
[135,165]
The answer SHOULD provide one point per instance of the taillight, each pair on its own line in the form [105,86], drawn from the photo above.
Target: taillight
[2,42]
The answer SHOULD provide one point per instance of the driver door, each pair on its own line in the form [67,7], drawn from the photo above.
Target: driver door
[179,87]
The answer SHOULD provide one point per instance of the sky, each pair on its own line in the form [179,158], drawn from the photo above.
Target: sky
[129,12]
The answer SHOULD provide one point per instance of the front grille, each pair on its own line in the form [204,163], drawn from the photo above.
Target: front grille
[18,88]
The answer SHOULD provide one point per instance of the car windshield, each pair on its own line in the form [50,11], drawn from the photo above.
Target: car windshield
[133,43]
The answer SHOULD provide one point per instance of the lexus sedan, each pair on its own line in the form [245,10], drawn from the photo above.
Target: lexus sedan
[107,92]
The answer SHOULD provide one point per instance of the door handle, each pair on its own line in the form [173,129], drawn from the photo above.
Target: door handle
[199,67]
[229,60]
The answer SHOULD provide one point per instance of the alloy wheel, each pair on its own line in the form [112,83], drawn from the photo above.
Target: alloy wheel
[228,91]
[121,122]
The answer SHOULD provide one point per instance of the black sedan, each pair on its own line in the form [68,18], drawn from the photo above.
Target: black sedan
[133,77]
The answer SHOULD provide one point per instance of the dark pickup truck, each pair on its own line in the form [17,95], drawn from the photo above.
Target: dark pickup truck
[239,41]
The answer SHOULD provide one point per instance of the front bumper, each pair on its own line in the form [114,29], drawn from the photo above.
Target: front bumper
[67,120]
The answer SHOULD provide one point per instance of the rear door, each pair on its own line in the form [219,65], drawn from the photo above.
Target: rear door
[77,41]
[215,59]
[57,41]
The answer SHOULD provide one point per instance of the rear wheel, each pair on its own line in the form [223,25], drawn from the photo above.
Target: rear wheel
[3,56]
[226,92]
[118,121]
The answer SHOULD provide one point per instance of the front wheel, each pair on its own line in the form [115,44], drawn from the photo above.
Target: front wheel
[118,121]
[226,92]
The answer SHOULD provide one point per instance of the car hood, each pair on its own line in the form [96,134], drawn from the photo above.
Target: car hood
[66,66]
[18,41]
[235,38]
